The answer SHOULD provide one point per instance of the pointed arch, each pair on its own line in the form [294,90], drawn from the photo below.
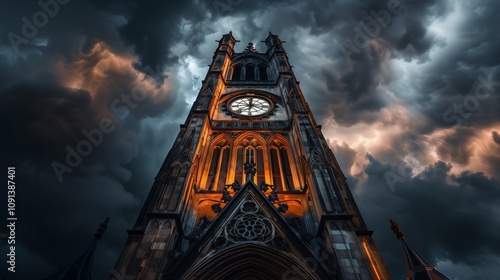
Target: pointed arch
[284,168]
[246,57]
[174,184]
[326,184]
[204,99]
[253,67]
[296,101]
[249,146]
[237,72]
[173,201]
[248,134]
[253,261]
[263,76]
[217,163]
[169,185]
[250,72]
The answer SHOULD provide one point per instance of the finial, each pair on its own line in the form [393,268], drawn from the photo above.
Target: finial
[225,195]
[250,48]
[235,186]
[397,231]
[273,196]
[250,170]
[102,228]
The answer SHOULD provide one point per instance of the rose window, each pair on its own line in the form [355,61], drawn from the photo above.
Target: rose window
[249,225]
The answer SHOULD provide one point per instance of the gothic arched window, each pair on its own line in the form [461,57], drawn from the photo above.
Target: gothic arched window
[249,158]
[250,73]
[171,182]
[296,102]
[237,72]
[216,165]
[327,188]
[260,176]
[212,171]
[249,70]
[263,72]
[285,167]
[282,173]
[174,198]
[250,150]
[275,166]
[217,173]
[173,188]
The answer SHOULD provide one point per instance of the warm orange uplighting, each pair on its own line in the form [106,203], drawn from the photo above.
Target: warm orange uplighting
[371,260]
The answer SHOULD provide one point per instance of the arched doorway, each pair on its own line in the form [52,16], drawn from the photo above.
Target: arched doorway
[252,261]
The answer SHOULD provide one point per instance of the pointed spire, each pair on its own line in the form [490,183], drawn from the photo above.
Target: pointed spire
[418,268]
[81,268]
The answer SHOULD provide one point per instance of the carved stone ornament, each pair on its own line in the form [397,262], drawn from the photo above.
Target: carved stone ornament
[249,225]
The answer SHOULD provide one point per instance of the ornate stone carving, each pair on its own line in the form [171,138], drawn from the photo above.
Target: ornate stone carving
[225,196]
[250,125]
[249,225]
[235,186]
[216,207]
[282,207]
[273,196]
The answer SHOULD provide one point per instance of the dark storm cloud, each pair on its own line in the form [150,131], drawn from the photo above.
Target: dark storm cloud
[442,215]
[67,215]
[462,85]
[154,27]
[355,87]
[41,119]
[455,146]
[42,114]
[70,25]
[401,34]
[351,87]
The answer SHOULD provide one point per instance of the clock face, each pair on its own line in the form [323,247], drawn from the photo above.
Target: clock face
[250,106]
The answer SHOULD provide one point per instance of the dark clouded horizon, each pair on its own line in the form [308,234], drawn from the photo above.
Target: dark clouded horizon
[406,91]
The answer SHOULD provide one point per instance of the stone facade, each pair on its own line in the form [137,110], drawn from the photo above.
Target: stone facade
[250,188]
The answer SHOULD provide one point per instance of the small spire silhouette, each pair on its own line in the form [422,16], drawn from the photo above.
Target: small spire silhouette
[418,268]
[102,228]
[82,267]
[397,231]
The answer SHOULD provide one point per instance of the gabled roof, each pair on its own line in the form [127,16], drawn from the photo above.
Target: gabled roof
[249,239]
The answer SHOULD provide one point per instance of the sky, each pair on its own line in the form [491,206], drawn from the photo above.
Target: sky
[407,93]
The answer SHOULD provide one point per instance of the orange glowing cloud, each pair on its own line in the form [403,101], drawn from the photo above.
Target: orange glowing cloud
[481,148]
[107,75]
[387,139]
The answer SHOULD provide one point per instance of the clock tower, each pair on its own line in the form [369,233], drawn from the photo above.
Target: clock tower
[250,188]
